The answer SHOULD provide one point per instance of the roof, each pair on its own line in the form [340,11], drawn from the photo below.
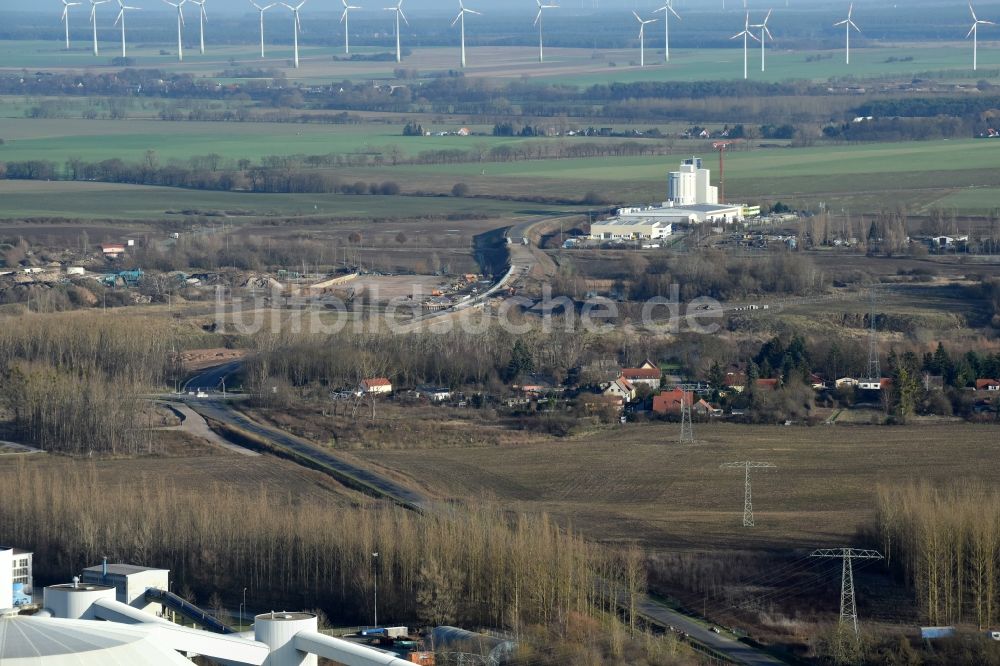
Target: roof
[121,569]
[641,373]
[377,381]
[619,222]
[983,383]
[28,641]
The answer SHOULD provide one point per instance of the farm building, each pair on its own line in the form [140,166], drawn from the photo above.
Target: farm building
[376,385]
[648,373]
[112,250]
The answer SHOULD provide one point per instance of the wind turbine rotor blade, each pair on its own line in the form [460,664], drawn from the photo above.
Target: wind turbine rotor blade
[402,15]
[768,33]
[738,35]
[538,15]
[838,23]
[301,4]
[636,17]
[753,36]
[344,15]
[456,18]
[850,11]
[674,12]
[473,11]
[971,30]
[973,12]
[854,25]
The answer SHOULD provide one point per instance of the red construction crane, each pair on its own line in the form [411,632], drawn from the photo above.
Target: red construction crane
[721,147]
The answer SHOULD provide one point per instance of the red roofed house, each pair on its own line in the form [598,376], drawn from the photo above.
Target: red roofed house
[768,384]
[112,250]
[376,385]
[622,388]
[669,402]
[987,385]
[735,381]
[648,373]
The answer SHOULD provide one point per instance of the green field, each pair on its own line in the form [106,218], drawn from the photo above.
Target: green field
[20,199]
[582,66]
[94,140]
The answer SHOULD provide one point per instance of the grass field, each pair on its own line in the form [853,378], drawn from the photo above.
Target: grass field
[19,199]
[637,484]
[583,66]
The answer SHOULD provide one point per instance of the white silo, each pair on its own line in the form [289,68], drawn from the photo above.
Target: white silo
[75,601]
[277,630]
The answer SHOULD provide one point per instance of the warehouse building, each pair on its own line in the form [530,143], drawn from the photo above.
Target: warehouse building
[130,582]
[630,227]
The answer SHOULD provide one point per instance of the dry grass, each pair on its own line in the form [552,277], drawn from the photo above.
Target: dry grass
[202,467]
[637,484]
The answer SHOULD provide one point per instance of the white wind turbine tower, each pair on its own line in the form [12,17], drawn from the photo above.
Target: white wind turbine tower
[261,10]
[180,23]
[65,18]
[848,23]
[973,32]
[746,35]
[347,32]
[202,19]
[667,10]
[297,27]
[764,34]
[93,19]
[642,37]
[538,22]
[460,19]
[399,14]
[121,19]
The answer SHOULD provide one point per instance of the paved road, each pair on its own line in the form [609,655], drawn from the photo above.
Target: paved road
[195,424]
[739,652]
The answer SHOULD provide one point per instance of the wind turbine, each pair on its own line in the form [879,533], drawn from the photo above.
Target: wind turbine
[462,11]
[642,37]
[764,34]
[180,23]
[93,19]
[65,18]
[202,19]
[399,14]
[667,10]
[297,27]
[538,22]
[262,10]
[848,23]
[746,35]
[973,32]
[347,32]
[121,19]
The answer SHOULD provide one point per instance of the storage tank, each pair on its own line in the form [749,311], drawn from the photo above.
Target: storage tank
[277,630]
[74,601]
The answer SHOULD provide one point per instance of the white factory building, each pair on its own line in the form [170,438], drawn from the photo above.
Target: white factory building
[691,199]
[691,185]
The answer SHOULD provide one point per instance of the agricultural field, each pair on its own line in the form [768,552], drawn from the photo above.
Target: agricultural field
[571,66]
[199,468]
[637,484]
[83,200]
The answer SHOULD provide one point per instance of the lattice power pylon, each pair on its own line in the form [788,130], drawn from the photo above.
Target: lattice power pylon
[848,608]
[687,429]
[747,465]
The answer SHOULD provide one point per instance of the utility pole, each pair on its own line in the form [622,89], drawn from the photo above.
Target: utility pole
[375,564]
[687,431]
[874,372]
[848,608]
[747,465]
[721,147]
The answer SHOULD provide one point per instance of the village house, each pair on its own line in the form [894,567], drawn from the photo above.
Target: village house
[669,402]
[621,388]
[764,384]
[376,385]
[735,381]
[989,385]
[647,374]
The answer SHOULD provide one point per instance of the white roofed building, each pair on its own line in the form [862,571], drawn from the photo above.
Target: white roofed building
[631,227]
